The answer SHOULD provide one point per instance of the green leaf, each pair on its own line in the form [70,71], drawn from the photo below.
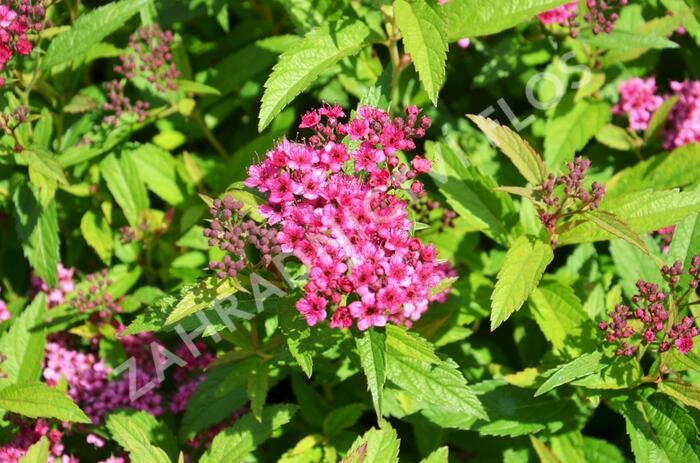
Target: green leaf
[125,184]
[135,433]
[437,385]
[342,418]
[234,443]
[89,29]
[678,168]
[198,88]
[301,65]
[23,344]
[37,226]
[471,193]
[520,274]
[44,162]
[610,223]
[660,115]
[690,21]
[582,366]
[661,431]
[685,244]
[37,400]
[474,18]
[98,235]
[257,387]
[424,32]
[562,320]
[687,393]
[375,446]
[544,453]
[37,453]
[371,347]
[570,132]
[202,296]
[156,168]
[520,153]
[599,451]
[440,455]
[643,212]
[616,137]
[619,40]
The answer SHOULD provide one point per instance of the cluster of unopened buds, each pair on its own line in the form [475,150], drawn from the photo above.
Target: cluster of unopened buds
[565,196]
[650,318]
[97,300]
[11,120]
[426,209]
[18,20]
[600,15]
[230,232]
[336,200]
[148,58]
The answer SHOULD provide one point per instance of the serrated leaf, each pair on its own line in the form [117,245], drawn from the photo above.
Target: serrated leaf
[88,30]
[134,433]
[126,186]
[156,168]
[470,192]
[581,366]
[615,137]
[519,151]
[440,455]
[664,171]
[234,443]
[375,446]
[45,162]
[404,343]
[437,385]
[599,451]
[562,319]
[690,21]
[611,224]
[37,226]
[661,431]
[570,132]
[98,235]
[424,31]
[643,212]
[372,347]
[37,400]
[37,453]
[686,393]
[524,265]
[314,54]
[23,344]
[202,296]
[474,18]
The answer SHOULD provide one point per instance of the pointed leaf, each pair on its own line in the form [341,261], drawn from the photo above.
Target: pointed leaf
[37,400]
[582,366]
[371,347]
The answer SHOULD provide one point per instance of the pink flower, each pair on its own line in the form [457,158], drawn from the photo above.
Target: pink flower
[464,42]
[638,100]
[4,313]
[310,119]
[23,46]
[420,165]
[560,14]
[684,345]
[367,315]
[358,128]
[313,308]
[7,16]
[341,318]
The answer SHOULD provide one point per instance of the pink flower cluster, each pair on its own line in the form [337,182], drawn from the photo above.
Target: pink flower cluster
[647,321]
[565,196]
[17,19]
[88,377]
[638,100]
[600,15]
[148,57]
[189,376]
[336,200]
[683,124]
[4,313]
[27,434]
[561,15]
[55,296]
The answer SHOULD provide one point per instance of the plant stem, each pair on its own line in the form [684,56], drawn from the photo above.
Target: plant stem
[208,134]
